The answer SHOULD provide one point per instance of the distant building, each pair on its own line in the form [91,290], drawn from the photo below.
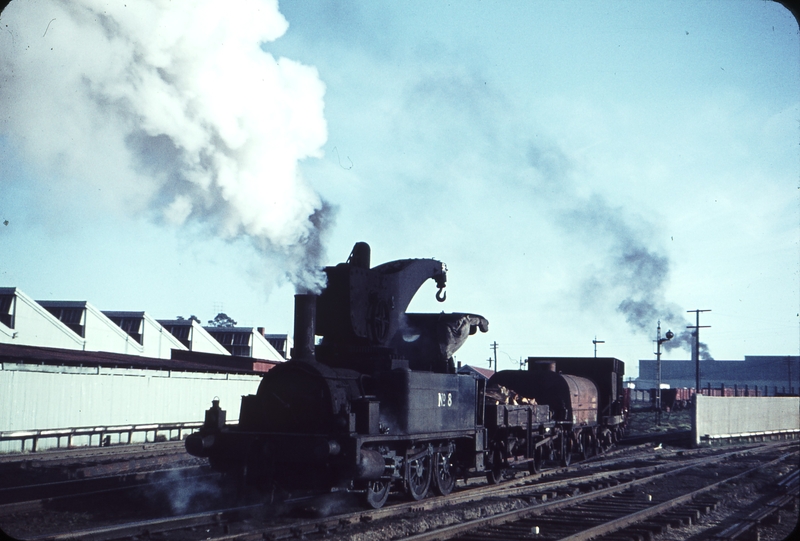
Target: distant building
[484,373]
[193,336]
[781,371]
[245,342]
[78,325]
[281,342]
[25,322]
[156,341]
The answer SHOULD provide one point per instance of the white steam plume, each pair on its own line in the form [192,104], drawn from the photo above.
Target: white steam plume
[171,108]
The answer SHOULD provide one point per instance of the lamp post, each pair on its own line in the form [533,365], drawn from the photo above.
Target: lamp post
[660,341]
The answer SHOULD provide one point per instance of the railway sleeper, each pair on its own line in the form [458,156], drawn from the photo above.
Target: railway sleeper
[555,530]
[668,521]
[706,505]
[769,514]
[628,507]
[565,521]
[539,497]
[634,533]
[629,536]
[595,516]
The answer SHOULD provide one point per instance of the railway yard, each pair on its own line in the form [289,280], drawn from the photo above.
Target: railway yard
[652,485]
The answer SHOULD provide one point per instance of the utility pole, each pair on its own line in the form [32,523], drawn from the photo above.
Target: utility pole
[697,328]
[659,341]
[595,342]
[493,346]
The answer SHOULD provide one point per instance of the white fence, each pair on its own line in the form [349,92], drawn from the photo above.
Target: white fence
[36,397]
[718,417]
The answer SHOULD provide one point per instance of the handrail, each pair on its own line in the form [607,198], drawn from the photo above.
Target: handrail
[102,431]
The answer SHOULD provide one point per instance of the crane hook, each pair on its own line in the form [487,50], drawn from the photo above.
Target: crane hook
[441,295]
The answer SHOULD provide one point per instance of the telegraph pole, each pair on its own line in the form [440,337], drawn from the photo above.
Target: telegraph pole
[493,346]
[595,342]
[697,328]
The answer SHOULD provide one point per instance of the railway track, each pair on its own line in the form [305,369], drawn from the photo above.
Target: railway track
[51,466]
[71,456]
[35,497]
[535,507]
[639,508]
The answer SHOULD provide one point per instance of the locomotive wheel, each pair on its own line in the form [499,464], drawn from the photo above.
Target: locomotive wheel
[606,439]
[494,470]
[444,479]
[566,450]
[418,475]
[377,493]
[588,442]
[535,465]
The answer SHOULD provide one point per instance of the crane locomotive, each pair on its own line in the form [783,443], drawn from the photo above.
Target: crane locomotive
[377,406]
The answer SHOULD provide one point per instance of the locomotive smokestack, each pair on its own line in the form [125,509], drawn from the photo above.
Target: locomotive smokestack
[305,313]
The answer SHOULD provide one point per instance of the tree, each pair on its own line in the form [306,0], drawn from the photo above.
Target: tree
[222,320]
[190,318]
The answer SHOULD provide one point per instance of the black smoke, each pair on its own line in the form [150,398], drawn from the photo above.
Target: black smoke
[633,270]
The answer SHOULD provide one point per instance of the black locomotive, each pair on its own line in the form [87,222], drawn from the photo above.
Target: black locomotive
[377,406]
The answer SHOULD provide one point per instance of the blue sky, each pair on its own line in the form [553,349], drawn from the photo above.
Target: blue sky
[583,170]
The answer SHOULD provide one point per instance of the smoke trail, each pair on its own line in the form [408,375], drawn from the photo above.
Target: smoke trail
[635,273]
[174,110]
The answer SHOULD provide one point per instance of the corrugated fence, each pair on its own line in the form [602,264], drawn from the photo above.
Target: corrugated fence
[718,417]
[48,397]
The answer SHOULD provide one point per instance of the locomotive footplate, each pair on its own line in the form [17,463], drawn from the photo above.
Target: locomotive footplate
[413,439]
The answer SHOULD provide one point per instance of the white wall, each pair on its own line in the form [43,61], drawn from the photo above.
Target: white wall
[35,326]
[729,415]
[262,349]
[102,334]
[157,341]
[37,397]
[204,342]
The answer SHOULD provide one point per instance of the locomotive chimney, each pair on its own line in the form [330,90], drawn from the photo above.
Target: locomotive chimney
[305,313]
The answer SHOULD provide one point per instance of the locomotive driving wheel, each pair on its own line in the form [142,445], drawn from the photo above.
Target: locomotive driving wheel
[378,492]
[418,475]
[443,474]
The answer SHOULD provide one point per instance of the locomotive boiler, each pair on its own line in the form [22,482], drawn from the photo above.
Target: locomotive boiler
[375,404]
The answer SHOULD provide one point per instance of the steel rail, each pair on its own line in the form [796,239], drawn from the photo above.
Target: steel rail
[449,532]
[90,488]
[790,488]
[645,514]
[50,456]
[316,526]
[151,526]
[313,526]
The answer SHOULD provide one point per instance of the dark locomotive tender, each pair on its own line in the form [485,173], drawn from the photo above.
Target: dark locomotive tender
[377,406]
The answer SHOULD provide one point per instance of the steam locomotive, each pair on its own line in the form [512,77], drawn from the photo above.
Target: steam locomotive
[377,406]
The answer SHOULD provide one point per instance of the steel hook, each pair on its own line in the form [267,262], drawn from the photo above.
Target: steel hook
[441,295]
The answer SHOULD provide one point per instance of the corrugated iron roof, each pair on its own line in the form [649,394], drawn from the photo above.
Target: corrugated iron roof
[57,356]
